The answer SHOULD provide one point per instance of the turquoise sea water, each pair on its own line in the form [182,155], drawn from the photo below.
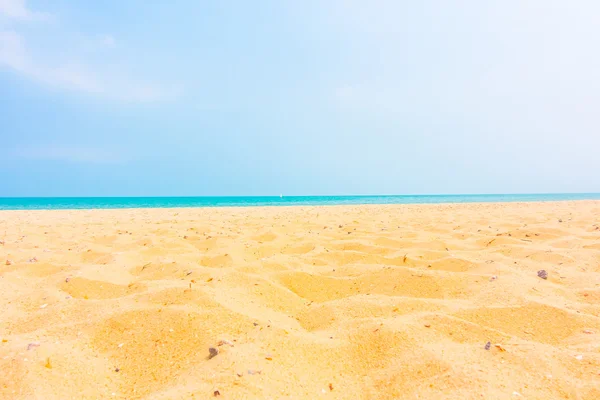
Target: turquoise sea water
[62,203]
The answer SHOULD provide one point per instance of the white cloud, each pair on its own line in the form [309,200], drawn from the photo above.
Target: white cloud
[14,55]
[67,74]
[107,40]
[17,9]
[69,154]
[76,77]
[12,52]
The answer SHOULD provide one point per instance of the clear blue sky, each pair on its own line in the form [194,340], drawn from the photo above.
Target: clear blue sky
[138,98]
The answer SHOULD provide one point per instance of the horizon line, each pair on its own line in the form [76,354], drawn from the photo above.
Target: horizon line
[296,196]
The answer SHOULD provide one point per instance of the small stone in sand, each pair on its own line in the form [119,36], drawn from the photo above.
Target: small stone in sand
[67,280]
[493,278]
[542,274]
[33,260]
[212,352]
[8,262]
[216,393]
[488,345]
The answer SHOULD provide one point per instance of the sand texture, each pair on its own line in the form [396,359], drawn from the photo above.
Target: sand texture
[356,302]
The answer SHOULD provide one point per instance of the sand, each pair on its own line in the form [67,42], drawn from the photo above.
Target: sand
[356,302]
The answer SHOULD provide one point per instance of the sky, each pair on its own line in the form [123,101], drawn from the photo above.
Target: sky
[224,97]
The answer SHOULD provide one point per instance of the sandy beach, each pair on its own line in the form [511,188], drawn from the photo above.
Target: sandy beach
[341,302]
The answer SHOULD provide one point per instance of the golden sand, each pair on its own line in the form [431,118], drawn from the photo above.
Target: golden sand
[357,302]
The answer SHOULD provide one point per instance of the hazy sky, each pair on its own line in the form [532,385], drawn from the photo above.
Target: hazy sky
[298,97]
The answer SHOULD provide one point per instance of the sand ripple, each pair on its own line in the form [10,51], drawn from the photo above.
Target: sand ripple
[357,302]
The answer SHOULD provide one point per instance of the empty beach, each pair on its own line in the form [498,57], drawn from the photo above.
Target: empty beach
[448,301]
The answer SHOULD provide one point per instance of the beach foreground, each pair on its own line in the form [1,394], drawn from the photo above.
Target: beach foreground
[357,302]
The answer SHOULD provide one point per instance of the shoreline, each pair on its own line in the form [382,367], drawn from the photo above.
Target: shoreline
[300,206]
[73,203]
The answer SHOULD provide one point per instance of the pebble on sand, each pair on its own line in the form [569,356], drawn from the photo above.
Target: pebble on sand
[212,352]
[542,274]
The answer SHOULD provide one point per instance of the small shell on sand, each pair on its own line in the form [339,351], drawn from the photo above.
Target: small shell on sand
[254,372]
[224,342]
[32,345]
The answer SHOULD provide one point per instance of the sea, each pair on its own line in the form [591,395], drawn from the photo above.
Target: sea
[68,203]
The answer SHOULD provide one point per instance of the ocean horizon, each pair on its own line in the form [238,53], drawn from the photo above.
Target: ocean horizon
[67,203]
